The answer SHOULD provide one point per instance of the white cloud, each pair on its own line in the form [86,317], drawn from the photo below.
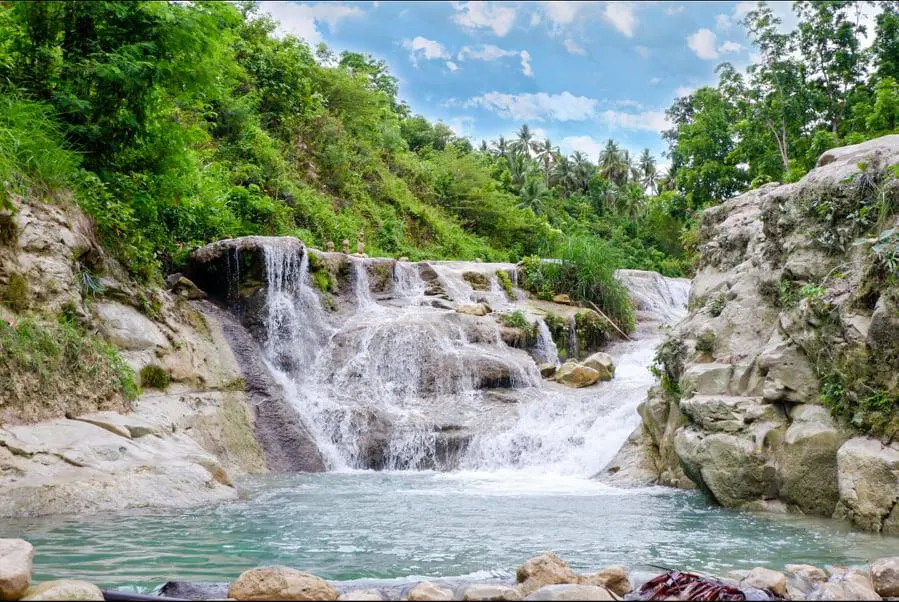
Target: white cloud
[643,51]
[741,9]
[621,16]
[684,91]
[538,107]
[729,46]
[535,19]
[462,127]
[423,48]
[539,133]
[452,66]
[303,20]
[584,144]
[636,104]
[654,81]
[562,13]
[652,121]
[484,15]
[573,47]
[675,10]
[526,63]
[723,23]
[703,43]
[486,52]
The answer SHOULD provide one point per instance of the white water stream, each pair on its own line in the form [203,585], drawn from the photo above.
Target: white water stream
[387,379]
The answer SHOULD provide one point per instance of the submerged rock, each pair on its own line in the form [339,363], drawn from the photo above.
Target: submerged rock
[885,575]
[426,591]
[571,592]
[280,583]
[16,556]
[573,374]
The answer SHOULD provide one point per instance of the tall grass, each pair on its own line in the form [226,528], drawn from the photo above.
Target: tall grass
[32,152]
[584,269]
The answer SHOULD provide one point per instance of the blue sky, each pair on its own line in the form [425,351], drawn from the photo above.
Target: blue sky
[576,72]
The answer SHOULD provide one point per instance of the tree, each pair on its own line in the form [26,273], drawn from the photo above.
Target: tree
[885,48]
[648,174]
[546,155]
[582,170]
[524,143]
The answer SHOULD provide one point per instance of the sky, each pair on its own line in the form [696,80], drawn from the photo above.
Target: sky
[577,73]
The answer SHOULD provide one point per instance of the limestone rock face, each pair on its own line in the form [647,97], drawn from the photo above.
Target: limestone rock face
[426,590]
[571,592]
[573,374]
[280,583]
[885,575]
[602,363]
[868,478]
[64,589]
[16,556]
[546,569]
[775,306]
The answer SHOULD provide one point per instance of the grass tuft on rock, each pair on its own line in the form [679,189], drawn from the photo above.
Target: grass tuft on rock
[16,294]
[154,377]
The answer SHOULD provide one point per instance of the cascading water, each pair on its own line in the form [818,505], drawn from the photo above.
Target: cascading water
[381,386]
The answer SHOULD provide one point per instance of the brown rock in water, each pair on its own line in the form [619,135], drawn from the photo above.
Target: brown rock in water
[16,557]
[573,374]
[614,578]
[545,569]
[64,589]
[428,591]
[547,370]
[346,246]
[602,363]
[885,575]
[280,583]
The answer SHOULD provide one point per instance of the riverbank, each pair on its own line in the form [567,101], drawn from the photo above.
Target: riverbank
[543,577]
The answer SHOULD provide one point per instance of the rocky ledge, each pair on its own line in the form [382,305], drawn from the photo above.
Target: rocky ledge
[544,577]
[779,391]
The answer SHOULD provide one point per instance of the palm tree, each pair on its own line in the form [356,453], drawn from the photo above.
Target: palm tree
[483,147]
[582,171]
[613,164]
[532,195]
[524,144]
[563,171]
[546,155]
[648,175]
[501,147]
[519,169]
[634,200]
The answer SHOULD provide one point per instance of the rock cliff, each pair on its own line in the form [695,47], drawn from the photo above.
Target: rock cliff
[780,389]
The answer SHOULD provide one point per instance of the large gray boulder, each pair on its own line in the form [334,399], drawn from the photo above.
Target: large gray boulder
[868,480]
[16,556]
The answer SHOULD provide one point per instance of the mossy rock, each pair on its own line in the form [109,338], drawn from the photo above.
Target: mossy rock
[478,281]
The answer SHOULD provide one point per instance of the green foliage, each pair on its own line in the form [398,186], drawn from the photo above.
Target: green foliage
[154,377]
[323,280]
[50,360]
[886,251]
[717,305]
[506,282]
[705,343]
[16,294]
[583,268]
[788,295]
[668,365]
[516,319]
[853,389]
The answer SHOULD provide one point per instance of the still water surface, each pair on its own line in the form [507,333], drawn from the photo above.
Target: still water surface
[390,525]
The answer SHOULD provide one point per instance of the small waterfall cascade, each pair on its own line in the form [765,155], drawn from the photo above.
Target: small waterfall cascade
[399,383]
[572,337]
[545,351]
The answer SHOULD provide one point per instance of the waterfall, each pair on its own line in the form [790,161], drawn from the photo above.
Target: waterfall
[572,338]
[545,350]
[382,386]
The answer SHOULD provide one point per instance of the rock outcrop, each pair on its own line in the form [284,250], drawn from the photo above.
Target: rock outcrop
[16,556]
[793,317]
[280,583]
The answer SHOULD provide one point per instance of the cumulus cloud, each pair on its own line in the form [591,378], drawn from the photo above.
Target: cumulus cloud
[729,46]
[651,121]
[452,66]
[584,144]
[526,64]
[561,13]
[484,15]
[573,47]
[538,107]
[303,20]
[675,10]
[485,52]
[461,126]
[703,43]
[621,16]
[723,22]
[423,48]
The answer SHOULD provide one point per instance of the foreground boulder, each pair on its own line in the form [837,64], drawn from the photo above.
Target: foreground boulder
[362,595]
[868,477]
[885,575]
[802,579]
[64,589]
[426,591]
[573,374]
[571,592]
[614,578]
[280,583]
[850,585]
[762,578]
[16,556]
[545,569]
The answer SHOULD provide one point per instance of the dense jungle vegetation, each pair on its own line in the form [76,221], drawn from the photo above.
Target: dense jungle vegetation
[180,123]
